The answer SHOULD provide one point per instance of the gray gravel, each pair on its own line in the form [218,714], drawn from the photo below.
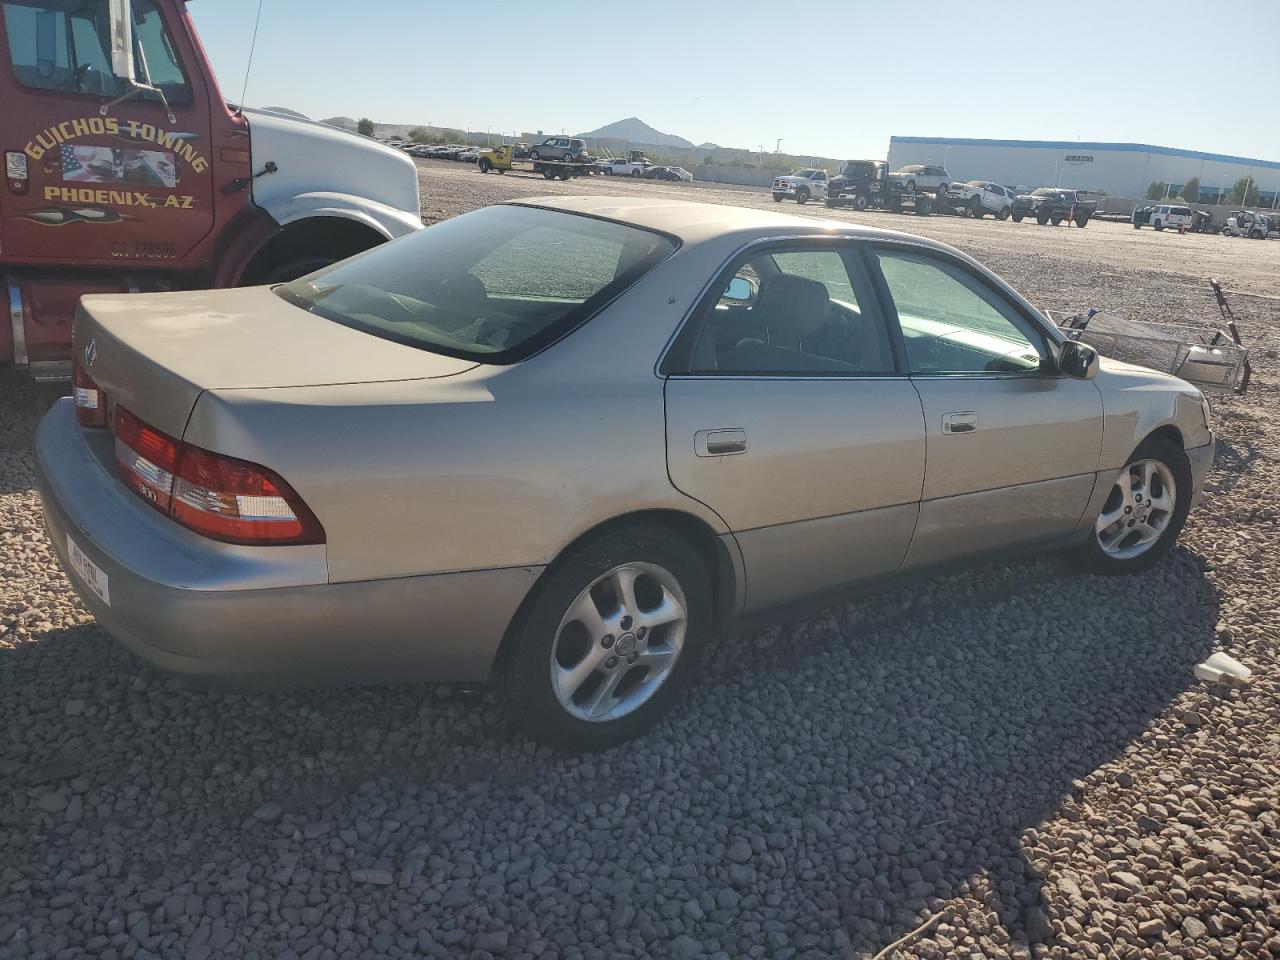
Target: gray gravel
[1019,750]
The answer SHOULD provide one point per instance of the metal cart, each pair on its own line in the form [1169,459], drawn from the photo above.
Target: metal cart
[1212,359]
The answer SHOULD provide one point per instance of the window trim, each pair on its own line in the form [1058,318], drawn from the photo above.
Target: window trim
[1050,340]
[674,359]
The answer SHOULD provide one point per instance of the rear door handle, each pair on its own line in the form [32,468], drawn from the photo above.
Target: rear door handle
[965,421]
[720,443]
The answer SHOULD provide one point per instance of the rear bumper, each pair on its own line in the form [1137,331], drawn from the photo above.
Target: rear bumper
[257,617]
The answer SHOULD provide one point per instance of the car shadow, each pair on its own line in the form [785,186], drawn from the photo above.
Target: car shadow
[877,759]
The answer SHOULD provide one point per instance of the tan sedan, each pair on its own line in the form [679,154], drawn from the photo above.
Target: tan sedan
[563,442]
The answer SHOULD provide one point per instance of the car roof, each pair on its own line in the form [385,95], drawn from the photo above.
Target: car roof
[693,222]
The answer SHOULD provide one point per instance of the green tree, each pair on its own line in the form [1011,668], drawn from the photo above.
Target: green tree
[365,127]
[420,135]
[1157,190]
[451,136]
[1191,190]
[1245,192]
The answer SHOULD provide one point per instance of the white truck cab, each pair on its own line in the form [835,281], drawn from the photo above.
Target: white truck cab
[801,185]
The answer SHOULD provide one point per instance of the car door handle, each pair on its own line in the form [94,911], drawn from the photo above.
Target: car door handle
[719,443]
[961,422]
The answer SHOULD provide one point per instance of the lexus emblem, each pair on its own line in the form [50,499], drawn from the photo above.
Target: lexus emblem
[91,351]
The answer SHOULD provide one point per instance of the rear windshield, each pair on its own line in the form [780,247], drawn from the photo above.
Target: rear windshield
[494,285]
[1185,211]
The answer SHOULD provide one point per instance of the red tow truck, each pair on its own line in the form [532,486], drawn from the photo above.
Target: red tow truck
[126,170]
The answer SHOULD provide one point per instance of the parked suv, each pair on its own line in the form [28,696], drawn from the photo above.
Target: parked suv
[981,197]
[1172,216]
[920,176]
[560,148]
[801,185]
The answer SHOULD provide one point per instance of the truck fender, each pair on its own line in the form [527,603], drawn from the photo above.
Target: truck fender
[388,222]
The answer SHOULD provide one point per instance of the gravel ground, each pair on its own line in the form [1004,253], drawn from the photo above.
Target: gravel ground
[1017,756]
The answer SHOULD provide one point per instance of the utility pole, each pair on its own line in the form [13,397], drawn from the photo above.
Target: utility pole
[778,148]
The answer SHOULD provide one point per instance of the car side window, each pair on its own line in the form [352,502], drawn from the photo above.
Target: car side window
[953,322]
[793,311]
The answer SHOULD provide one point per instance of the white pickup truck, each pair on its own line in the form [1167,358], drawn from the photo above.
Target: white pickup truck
[622,167]
[801,186]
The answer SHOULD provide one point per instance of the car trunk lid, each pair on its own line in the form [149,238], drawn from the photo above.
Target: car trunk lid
[156,353]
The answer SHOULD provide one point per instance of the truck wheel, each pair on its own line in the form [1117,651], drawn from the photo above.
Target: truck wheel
[777,198]
[549,174]
[1056,221]
[637,173]
[1003,214]
[1082,222]
[1137,226]
[485,165]
[1017,217]
[861,201]
[802,195]
[1042,218]
[924,206]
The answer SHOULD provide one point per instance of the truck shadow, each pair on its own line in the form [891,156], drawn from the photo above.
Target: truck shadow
[875,761]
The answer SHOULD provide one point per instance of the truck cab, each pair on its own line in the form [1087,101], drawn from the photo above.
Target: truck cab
[127,171]
[860,184]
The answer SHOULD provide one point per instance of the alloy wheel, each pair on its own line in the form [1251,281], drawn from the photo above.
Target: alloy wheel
[1138,510]
[618,642]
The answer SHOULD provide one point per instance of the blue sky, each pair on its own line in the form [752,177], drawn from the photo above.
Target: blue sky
[739,74]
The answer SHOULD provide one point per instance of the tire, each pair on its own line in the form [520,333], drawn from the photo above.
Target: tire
[861,201]
[534,155]
[546,642]
[637,173]
[1003,214]
[1137,226]
[608,171]
[1042,218]
[975,208]
[1097,559]
[1017,217]
[832,204]
[1082,222]
[1056,221]
[802,196]
[777,198]
[1158,225]
[549,174]
[485,165]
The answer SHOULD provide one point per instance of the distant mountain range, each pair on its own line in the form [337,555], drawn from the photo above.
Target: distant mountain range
[635,130]
[286,112]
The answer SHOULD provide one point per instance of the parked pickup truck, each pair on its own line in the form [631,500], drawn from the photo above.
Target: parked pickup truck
[1053,205]
[801,185]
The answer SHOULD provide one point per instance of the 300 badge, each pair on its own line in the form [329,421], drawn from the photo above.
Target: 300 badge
[144,250]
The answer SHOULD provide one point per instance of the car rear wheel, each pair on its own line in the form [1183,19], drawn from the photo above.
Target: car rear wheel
[534,155]
[1004,213]
[1042,218]
[612,636]
[802,195]
[1144,511]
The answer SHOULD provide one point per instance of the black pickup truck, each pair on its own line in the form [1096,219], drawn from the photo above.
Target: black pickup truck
[1053,205]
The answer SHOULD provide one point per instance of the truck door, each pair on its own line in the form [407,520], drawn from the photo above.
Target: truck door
[125,189]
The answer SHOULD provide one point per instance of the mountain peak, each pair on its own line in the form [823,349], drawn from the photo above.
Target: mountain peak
[635,130]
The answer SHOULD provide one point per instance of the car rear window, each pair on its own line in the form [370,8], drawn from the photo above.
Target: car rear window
[1184,211]
[494,285]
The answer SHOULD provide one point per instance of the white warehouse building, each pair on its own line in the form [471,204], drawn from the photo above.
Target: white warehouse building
[1117,169]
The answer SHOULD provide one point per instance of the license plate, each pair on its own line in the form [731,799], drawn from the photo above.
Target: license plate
[94,577]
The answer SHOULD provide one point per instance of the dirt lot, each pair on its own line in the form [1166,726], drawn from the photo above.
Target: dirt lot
[1018,755]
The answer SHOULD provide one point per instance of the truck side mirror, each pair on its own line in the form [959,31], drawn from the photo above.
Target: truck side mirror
[120,13]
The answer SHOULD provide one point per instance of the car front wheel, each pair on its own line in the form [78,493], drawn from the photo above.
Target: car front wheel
[1144,511]
[609,641]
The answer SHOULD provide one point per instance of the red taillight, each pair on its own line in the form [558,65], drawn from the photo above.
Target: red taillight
[91,403]
[216,496]
[239,502]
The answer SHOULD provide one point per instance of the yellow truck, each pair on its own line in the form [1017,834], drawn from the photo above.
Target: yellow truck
[501,160]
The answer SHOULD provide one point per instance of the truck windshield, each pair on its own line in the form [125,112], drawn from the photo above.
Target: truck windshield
[494,285]
[56,45]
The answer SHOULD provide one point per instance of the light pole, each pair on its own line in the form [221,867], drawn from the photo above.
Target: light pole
[778,147]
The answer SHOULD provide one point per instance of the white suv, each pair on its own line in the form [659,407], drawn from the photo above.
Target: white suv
[1173,217]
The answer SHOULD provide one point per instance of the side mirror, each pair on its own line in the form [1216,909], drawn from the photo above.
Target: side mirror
[739,290]
[1079,360]
[120,14]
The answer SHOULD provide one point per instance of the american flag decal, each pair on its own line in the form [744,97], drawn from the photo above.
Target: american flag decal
[69,162]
